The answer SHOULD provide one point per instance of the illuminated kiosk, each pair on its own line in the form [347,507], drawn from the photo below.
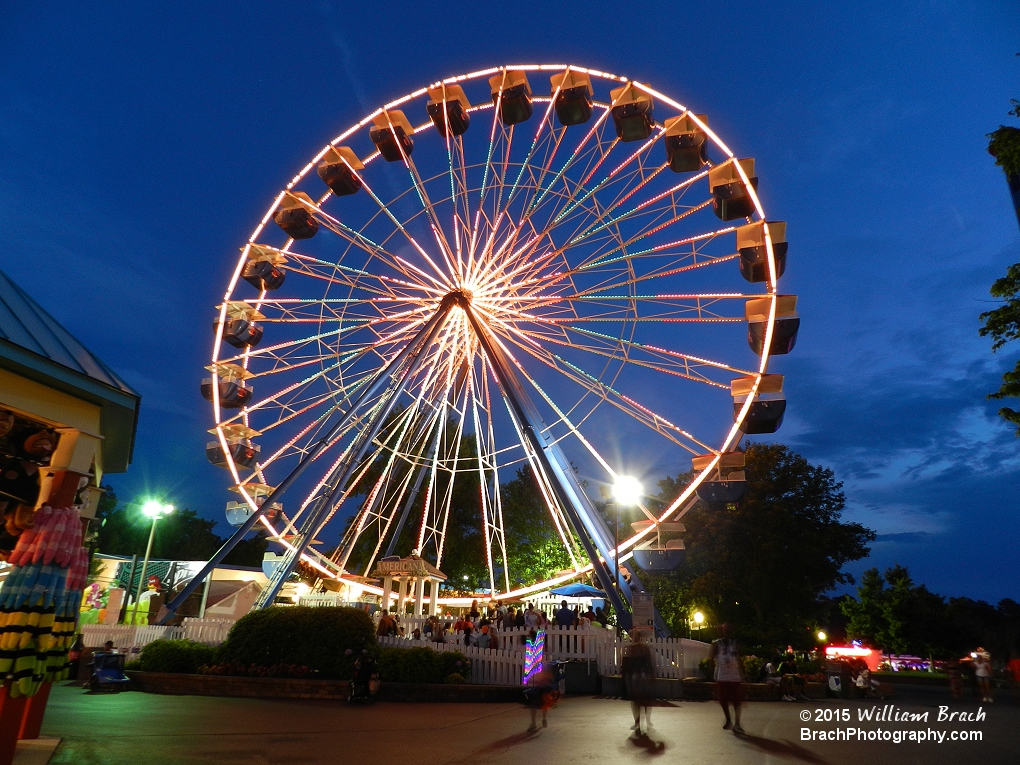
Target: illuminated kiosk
[410,575]
[50,384]
[537,266]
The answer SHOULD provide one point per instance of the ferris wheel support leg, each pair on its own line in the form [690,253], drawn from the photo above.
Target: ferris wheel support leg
[414,346]
[359,449]
[583,517]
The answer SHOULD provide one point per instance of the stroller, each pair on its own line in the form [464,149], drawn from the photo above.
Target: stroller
[365,681]
[108,672]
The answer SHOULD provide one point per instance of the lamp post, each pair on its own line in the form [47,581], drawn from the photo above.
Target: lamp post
[154,510]
[699,618]
[627,491]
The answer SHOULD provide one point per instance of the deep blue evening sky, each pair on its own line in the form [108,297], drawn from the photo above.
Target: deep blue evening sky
[141,142]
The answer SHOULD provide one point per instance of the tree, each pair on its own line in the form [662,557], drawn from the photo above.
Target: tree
[1003,325]
[892,613]
[765,564]
[124,530]
[534,548]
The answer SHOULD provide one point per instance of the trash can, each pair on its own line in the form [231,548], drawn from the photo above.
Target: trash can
[581,677]
[838,681]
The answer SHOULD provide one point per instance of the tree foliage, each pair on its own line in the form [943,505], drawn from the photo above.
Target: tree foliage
[182,535]
[765,564]
[534,547]
[892,613]
[1002,324]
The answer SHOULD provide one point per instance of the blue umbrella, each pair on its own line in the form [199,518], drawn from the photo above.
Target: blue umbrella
[578,590]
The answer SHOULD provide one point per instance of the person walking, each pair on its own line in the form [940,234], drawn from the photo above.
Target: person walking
[639,676]
[542,693]
[728,677]
[983,672]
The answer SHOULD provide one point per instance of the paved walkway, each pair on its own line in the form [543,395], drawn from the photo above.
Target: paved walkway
[139,728]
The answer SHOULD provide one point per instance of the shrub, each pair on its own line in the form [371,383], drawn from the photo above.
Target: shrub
[179,656]
[326,640]
[420,665]
[454,679]
[752,668]
[707,668]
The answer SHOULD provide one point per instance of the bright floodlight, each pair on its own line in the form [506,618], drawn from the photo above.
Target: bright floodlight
[698,617]
[627,490]
[821,636]
[155,509]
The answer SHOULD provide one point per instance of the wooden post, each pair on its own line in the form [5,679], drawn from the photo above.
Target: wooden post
[12,711]
[31,721]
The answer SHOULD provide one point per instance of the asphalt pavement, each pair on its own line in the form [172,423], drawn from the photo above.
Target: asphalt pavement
[139,728]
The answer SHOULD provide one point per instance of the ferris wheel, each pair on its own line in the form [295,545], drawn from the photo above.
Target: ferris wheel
[544,267]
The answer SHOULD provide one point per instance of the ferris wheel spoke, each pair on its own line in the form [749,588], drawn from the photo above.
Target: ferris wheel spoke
[556,514]
[635,155]
[493,461]
[435,224]
[686,367]
[603,220]
[626,404]
[537,283]
[345,275]
[374,512]
[397,263]
[526,165]
[539,197]
[492,515]
[460,199]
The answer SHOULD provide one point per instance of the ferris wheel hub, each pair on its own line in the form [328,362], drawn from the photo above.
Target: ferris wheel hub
[460,296]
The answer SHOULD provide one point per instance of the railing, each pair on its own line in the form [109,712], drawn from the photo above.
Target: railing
[131,638]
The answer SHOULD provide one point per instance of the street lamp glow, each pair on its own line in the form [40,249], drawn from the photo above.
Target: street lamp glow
[627,490]
[154,509]
[699,618]
[822,637]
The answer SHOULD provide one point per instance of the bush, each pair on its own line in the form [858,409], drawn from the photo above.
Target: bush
[707,668]
[752,668]
[179,656]
[420,665]
[454,679]
[325,640]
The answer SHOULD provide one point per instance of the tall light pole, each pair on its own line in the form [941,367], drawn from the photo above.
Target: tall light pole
[627,491]
[154,510]
[699,619]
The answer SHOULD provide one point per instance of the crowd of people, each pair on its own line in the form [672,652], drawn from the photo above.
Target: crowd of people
[485,626]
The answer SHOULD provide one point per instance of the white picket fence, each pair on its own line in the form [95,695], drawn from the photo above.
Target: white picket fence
[674,658]
[489,666]
[131,638]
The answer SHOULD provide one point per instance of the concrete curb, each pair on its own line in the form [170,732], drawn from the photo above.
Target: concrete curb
[292,688]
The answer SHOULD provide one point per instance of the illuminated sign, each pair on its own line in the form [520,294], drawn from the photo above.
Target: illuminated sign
[533,651]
